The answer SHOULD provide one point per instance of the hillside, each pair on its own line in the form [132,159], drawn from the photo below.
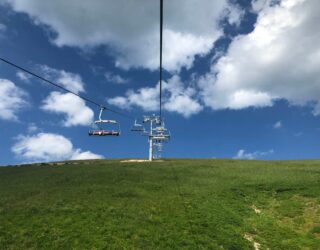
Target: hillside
[174,204]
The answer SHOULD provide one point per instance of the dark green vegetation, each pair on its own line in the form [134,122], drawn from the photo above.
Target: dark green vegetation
[175,204]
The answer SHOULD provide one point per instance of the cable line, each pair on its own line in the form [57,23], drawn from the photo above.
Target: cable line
[160,74]
[63,88]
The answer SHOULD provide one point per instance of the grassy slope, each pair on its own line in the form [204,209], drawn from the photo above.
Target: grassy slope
[175,204]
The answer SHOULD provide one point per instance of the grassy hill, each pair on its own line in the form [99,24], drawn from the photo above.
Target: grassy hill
[174,204]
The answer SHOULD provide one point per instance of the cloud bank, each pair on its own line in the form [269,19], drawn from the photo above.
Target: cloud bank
[279,59]
[177,98]
[49,147]
[130,29]
[243,155]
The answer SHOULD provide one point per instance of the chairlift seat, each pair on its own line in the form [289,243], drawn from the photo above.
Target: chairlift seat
[106,121]
[135,129]
[103,133]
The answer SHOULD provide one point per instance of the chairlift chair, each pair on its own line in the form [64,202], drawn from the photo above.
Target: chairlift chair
[105,127]
[137,127]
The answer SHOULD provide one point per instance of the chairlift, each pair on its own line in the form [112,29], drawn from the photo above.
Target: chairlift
[137,127]
[105,127]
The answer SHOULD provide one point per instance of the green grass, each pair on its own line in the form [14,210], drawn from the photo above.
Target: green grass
[175,204]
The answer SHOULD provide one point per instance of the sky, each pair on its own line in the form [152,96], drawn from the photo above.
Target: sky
[241,78]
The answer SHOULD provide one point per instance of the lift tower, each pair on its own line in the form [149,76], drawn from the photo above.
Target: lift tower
[153,120]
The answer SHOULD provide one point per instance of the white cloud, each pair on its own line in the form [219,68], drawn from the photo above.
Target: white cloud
[183,105]
[131,28]
[277,125]
[70,81]
[113,78]
[23,76]
[243,155]
[49,147]
[12,100]
[181,48]
[120,101]
[43,147]
[72,107]
[176,98]
[279,59]
[235,15]
[258,5]
[86,155]
[145,98]
[181,100]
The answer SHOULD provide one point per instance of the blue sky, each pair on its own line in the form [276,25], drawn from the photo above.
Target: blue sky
[241,78]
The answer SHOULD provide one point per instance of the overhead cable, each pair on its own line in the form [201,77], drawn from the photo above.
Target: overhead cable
[63,88]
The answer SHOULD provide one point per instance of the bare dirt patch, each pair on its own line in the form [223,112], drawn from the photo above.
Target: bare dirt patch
[134,160]
[249,237]
[139,160]
[256,210]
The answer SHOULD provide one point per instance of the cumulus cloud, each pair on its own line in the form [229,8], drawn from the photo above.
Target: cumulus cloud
[70,81]
[243,155]
[23,76]
[258,5]
[49,147]
[72,107]
[145,98]
[86,155]
[177,98]
[12,100]
[234,15]
[279,59]
[131,28]
[183,105]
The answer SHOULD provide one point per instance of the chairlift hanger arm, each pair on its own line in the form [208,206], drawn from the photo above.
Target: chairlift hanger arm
[100,114]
